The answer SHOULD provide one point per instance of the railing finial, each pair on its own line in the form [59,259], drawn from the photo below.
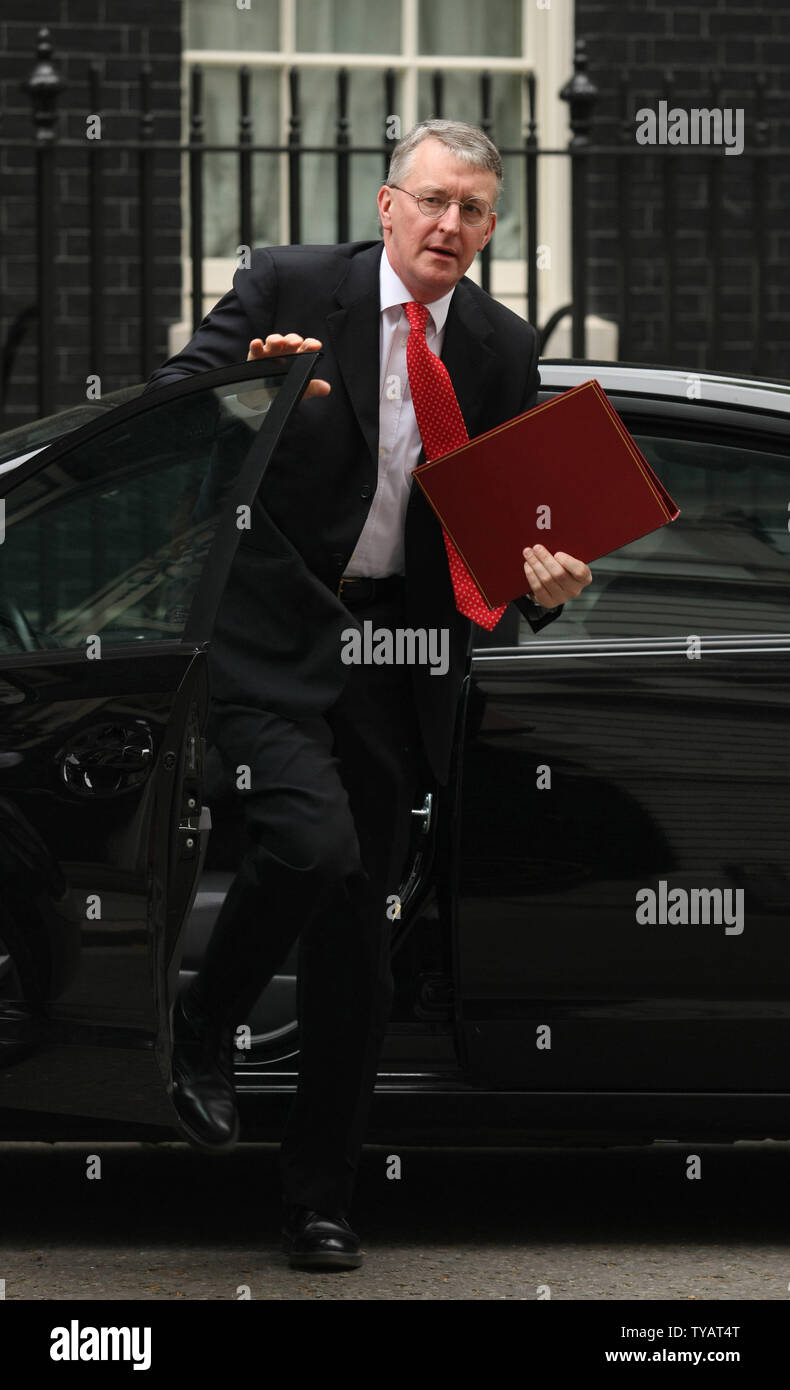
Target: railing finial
[581,95]
[44,85]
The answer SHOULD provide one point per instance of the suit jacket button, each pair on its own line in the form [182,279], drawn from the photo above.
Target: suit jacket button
[365,493]
[337,559]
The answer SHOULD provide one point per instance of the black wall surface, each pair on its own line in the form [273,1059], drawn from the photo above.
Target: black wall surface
[120,35]
[645,38]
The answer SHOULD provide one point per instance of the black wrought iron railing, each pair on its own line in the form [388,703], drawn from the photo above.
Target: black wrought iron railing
[613,164]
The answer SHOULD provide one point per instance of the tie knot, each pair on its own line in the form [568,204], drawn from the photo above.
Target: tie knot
[417,314]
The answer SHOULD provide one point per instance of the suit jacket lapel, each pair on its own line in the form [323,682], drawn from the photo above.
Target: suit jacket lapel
[354,332]
[468,357]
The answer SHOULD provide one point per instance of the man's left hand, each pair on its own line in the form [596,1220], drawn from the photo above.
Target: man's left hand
[553,579]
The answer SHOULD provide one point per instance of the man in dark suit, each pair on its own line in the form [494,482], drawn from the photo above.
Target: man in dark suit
[339,538]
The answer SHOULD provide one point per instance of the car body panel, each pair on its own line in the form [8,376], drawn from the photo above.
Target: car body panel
[641,748]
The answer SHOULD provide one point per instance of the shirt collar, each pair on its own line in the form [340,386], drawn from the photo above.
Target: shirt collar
[393,292]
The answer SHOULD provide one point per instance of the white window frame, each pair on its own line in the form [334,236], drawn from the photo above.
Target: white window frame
[547,44]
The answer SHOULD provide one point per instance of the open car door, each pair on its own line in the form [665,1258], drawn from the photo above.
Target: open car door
[117,544]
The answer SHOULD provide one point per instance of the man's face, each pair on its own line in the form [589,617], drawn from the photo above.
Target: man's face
[430,256]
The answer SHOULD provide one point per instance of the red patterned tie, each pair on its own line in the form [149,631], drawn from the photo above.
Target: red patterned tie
[442,428]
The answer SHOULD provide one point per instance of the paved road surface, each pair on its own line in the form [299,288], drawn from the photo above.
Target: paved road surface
[164,1222]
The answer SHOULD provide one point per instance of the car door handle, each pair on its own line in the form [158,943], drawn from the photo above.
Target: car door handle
[107,759]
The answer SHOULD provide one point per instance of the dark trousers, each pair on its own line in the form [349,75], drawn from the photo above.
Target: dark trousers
[328,815]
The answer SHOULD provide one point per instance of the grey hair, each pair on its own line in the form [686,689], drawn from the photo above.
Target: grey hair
[467,142]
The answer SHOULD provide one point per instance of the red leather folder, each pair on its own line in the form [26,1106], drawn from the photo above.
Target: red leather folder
[570,462]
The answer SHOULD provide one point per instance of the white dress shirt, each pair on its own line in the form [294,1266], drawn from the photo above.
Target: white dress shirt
[379,550]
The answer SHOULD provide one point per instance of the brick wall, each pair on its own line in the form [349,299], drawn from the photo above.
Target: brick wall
[120,38]
[645,38]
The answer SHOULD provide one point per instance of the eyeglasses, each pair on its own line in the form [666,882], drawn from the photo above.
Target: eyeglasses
[474,212]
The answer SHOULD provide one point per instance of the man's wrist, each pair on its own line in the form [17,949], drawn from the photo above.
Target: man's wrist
[538,607]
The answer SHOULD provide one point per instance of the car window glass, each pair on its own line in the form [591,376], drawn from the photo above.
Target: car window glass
[109,539]
[34,434]
[722,567]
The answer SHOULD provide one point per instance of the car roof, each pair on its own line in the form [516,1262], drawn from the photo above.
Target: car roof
[668,383]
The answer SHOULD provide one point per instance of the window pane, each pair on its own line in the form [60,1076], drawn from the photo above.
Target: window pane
[221,228]
[367,120]
[721,568]
[209,24]
[318,172]
[110,539]
[348,26]
[469,29]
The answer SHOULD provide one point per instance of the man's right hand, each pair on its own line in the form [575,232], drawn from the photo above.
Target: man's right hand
[278,345]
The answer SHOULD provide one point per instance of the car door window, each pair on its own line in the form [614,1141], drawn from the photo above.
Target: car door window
[723,567]
[110,539]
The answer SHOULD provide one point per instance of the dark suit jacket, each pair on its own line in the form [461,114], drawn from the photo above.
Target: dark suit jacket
[278,640]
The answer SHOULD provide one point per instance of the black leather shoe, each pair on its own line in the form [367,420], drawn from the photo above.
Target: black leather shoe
[314,1241]
[203,1092]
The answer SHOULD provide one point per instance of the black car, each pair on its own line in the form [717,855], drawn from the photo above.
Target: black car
[592,938]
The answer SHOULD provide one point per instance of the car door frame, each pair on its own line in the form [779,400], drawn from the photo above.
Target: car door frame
[190,699]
